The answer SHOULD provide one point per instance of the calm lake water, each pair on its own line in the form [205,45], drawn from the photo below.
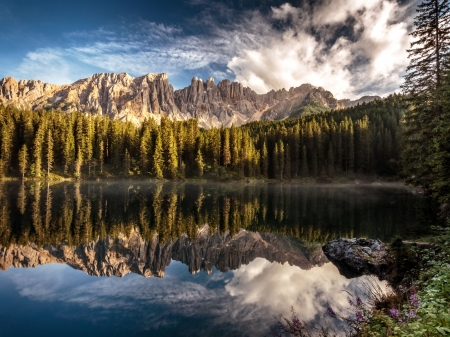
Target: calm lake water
[147,259]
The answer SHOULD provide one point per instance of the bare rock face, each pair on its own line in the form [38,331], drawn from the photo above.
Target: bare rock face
[123,97]
[131,253]
[230,103]
[227,253]
[118,96]
[224,104]
[356,257]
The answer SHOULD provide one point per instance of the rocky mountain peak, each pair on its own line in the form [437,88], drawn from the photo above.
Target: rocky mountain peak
[118,256]
[121,96]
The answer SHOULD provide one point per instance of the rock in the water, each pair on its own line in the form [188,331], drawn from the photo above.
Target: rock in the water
[356,257]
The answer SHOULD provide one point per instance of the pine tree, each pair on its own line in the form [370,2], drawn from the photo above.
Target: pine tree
[281,151]
[305,169]
[101,158]
[23,160]
[276,162]
[143,151]
[287,163]
[37,151]
[226,154]
[264,161]
[50,154]
[330,161]
[69,147]
[158,160]
[127,161]
[429,63]
[172,158]
[440,159]
[199,163]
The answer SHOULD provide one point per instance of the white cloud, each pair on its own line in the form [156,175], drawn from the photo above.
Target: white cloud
[371,63]
[368,58]
[248,297]
[309,292]
[47,65]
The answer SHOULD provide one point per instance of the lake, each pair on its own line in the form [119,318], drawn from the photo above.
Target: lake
[187,259]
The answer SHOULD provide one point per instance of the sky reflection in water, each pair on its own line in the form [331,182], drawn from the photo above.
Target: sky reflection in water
[248,221]
[237,303]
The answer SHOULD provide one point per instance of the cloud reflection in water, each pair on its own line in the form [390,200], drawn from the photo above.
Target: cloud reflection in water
[248,297]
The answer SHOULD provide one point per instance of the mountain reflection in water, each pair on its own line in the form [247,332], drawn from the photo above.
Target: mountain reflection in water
[259,245]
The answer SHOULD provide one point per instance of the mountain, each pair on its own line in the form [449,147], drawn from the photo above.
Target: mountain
[365,99]
[124,254]
[123,97]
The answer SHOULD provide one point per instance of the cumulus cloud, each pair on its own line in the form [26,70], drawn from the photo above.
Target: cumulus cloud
[368,58]
[309,292]
[248,297]
[350,47]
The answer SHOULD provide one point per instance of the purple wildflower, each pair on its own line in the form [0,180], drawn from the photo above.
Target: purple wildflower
[359,317]
[412,314]
[351,302]
[358,301]
[331,313]
[296,323]
[394,313]
[415,303]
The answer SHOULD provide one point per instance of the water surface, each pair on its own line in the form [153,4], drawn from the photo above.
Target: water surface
[181,259]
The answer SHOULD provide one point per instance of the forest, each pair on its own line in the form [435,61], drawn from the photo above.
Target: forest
[81,213]
[362,140]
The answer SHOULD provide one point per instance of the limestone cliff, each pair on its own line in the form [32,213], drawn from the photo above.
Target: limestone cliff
[124,254]
[118,96]
[123,97]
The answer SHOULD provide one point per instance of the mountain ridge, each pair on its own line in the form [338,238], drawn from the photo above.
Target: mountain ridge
[118,256]
[121,96]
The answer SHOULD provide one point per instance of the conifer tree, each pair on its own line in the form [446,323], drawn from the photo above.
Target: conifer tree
[50,154]
[144,151]
[37,151]
[172,159]
[23,160]
[287,163]
[69,147]
[264,161]
[276,162]
[199,163]
[330,161]
[281,162]
[305,169]
[226,154]
[158,160]
[429,63]
[101,158]
[127,161]
[78,163]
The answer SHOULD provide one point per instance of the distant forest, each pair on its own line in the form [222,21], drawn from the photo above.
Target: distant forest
[359,140]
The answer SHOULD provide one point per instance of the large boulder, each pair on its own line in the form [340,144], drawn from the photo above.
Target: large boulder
[356,257]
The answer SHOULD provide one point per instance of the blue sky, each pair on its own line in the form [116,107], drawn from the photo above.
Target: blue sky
[350,47]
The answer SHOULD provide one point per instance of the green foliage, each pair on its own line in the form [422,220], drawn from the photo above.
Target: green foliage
[362,139]
[426,144]
[311,108]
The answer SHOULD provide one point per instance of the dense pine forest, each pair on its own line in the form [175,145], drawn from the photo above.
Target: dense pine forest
[362,140]
[84,212]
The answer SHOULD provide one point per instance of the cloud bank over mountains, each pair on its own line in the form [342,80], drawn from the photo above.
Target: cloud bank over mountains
[350,47]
